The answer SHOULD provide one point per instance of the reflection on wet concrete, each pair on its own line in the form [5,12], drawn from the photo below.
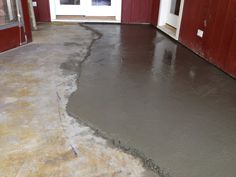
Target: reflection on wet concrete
[155,95]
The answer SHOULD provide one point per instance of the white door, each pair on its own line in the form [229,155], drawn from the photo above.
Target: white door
[173,15]
[88,7]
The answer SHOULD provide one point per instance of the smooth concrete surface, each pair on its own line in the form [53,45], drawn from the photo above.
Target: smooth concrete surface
[156,96]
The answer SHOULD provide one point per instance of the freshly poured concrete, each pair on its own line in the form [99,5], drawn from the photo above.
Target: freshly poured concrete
[156,96]
[37,137]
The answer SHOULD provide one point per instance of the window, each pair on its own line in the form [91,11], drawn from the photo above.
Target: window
[8,12]
[70,2]
[101,2]
[175,7]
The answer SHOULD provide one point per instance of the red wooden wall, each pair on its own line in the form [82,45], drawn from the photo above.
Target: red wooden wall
[217,18]
[25,10]
[155,12]
[137,11]
[222,50]
[10,37]
[193,18]
[42,11]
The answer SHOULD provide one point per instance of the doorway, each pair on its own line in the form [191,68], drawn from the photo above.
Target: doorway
[88,10]
[170,16]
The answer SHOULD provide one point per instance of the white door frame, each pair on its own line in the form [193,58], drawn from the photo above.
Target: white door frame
[173,20]
[163,13]
[91,11]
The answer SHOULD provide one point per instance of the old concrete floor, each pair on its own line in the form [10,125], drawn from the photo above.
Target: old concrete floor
[154,95]
[37,136]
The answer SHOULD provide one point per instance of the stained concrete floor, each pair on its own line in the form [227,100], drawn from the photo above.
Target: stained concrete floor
[37,136]
[151,94]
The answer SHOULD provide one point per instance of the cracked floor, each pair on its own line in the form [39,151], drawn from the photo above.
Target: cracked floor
[37,137]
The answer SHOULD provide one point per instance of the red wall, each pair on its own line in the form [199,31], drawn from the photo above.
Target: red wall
[42,11]
[222,50]
[25,9]
[193,18]
[137,11]
[155,12]
[218,21]
[10,37]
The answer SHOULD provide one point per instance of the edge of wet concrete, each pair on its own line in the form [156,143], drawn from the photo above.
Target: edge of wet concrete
[149,164]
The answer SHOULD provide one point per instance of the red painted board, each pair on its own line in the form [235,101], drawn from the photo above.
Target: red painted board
[42,11]
[27,20]
[155,12]
[217,19]
[194,18]
[227,52]
[137,11]
[219,44]
[9,38]
[126,11]
[230,64]
[36,13]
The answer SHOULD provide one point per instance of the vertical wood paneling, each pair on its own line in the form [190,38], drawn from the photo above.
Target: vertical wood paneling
[25,9]
[126,11]
[217,19]
[194,16]
[42,11]
[155,12]
[9,38]
[137,11]
[36,12]
[230,64]
[227,52]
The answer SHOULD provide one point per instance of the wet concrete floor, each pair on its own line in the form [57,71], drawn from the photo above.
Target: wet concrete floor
[152,94]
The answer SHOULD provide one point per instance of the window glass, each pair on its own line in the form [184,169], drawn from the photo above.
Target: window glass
[8,12]
[101,2]
[175,7]
[70,2]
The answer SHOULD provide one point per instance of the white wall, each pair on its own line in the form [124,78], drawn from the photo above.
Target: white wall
[52,5]
[164,11]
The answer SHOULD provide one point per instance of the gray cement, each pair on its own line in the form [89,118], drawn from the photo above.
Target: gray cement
[151,94]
